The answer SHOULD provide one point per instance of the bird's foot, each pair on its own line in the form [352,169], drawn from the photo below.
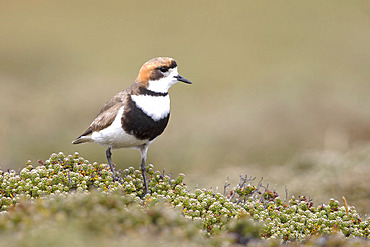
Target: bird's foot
[117,179]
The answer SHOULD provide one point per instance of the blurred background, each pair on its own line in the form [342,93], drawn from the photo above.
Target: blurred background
[280,89]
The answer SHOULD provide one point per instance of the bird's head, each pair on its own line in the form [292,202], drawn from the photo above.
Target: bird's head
[159,74]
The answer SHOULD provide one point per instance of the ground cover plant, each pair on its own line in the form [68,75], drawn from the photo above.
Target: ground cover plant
[70,196]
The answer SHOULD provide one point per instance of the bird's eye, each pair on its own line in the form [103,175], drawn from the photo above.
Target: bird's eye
[163,69]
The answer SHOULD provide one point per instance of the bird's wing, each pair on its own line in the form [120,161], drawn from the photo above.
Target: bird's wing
[107,114]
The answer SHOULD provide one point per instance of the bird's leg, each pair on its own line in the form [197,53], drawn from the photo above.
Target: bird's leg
[109,154]
[143,151]
[143,172]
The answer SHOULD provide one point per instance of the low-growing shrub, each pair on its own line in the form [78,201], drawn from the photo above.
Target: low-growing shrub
[59,189]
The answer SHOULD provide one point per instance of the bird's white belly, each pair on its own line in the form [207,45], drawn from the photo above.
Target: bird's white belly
[114,136]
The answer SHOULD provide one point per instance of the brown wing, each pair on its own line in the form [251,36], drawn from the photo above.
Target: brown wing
[107,114]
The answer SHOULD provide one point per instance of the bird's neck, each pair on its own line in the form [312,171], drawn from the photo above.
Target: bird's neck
[145,91]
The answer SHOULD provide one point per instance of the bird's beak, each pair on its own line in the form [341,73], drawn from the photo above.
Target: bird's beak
[180,78]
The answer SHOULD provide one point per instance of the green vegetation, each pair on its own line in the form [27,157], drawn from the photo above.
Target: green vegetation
[69,196]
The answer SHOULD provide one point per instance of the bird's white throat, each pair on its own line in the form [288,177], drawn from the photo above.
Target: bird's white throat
[162,85]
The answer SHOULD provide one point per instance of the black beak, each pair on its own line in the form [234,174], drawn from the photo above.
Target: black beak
[180,78]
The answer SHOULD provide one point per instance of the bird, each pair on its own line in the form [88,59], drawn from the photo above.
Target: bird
[136,116]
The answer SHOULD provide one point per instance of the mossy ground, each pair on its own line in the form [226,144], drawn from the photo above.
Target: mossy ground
[67,200]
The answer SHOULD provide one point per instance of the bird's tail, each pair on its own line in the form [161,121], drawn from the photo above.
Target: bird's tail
[82,139]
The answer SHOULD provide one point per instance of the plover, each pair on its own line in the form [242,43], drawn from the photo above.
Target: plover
[135,117]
